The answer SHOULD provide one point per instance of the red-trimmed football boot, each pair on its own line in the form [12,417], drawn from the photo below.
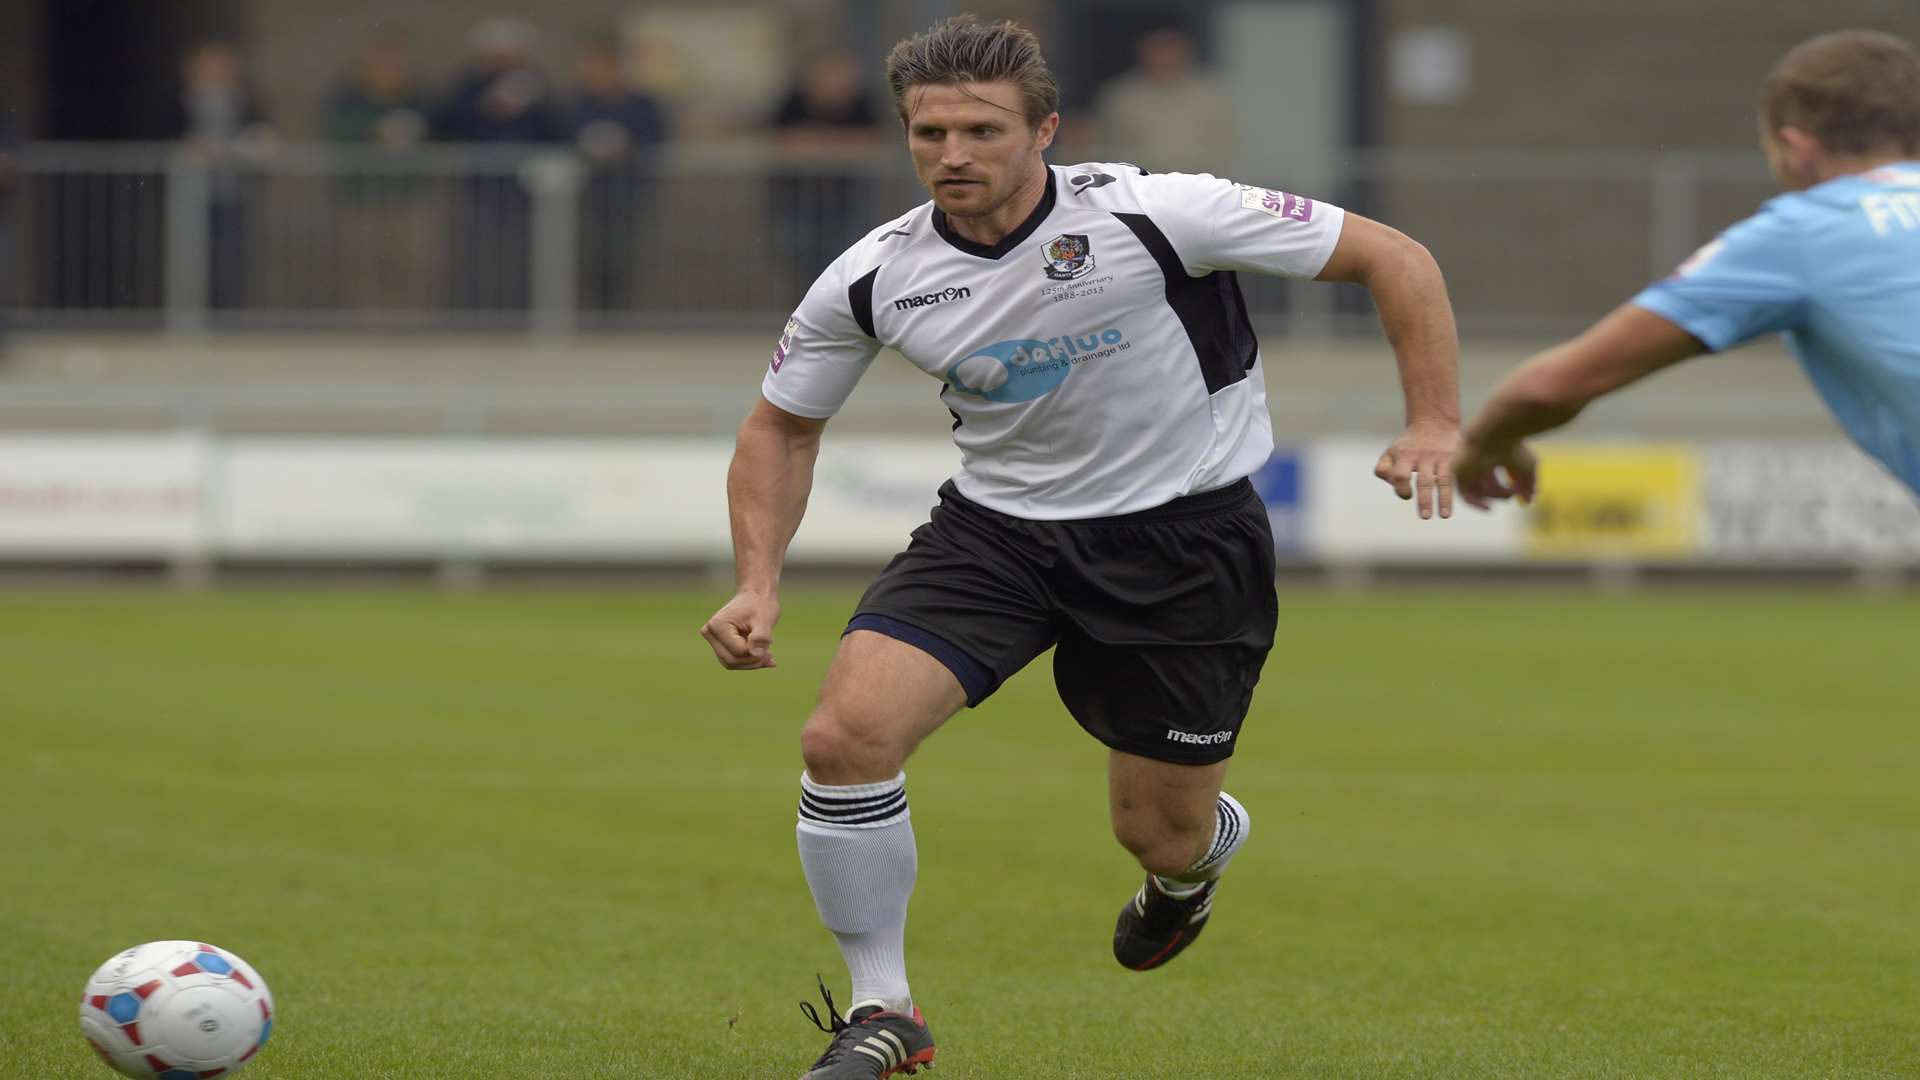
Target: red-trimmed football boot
[1154,928]
[870,1044]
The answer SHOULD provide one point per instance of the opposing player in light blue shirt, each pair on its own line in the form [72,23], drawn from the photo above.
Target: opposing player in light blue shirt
[1834,264]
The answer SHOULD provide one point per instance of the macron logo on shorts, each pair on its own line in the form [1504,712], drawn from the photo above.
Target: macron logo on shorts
[1201,740]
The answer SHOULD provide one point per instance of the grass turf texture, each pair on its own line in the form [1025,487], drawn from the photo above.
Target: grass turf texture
[540,834]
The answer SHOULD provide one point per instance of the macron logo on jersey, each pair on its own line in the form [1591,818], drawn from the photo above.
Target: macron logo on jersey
[938,296]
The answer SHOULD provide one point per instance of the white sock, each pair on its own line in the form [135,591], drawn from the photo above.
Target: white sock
[1230,829]
[856,846]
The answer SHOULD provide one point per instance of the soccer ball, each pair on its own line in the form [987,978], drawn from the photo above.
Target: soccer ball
[178,1010]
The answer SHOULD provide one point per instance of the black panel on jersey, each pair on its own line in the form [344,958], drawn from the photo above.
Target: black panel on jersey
[1210,307]
[860,299]
[1008,242]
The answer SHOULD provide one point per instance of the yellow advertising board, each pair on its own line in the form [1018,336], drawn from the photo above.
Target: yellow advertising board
[1632,502]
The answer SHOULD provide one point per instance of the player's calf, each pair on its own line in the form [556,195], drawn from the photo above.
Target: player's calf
[1166,852]
[1169,911]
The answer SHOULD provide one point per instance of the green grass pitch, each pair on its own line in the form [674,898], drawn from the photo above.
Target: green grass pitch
[540,834]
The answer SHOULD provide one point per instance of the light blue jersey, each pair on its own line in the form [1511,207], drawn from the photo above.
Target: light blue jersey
[1837,269]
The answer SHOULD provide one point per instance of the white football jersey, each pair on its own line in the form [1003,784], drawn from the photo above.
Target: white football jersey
[1098,360]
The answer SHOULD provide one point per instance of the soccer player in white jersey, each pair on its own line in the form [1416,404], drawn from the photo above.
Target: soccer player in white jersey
[1834,264]
[1109,404]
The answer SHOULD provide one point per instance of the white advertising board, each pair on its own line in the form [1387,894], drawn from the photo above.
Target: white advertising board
[614,499]
[1817,500]
[101,496]
[1351,517]
[174,496]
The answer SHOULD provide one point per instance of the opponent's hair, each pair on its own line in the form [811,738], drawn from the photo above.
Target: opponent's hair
[1857,91]
[965,50]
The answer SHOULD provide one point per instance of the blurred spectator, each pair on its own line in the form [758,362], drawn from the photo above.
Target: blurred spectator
[820,199]
[499,98]
[387,219]
[618,130]
[222,128]
[1166,113]
[379,105]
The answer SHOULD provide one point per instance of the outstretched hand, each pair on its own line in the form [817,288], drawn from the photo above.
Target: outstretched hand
[1416,464]
[1487,475]
[741,632]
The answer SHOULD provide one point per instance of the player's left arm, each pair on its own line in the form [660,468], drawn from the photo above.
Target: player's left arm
[1552,388]
[1749,281]
[1411,295]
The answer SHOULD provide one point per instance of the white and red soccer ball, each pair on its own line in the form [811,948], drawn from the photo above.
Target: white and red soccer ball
[176,1010]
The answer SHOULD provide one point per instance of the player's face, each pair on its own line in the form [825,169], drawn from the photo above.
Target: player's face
[972,146]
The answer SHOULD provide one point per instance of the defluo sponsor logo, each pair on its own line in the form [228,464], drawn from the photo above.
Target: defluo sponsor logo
[938,296]
[1026,368]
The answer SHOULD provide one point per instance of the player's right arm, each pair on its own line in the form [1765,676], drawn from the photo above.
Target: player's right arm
[825,349]
[767,487]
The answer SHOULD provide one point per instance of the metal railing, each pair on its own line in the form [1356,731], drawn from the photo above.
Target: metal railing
[535,238]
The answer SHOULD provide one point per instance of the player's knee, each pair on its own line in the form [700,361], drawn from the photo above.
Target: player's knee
[838,749]
[826,748]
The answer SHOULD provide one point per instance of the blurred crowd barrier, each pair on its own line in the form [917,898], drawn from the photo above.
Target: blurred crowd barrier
[314,236]
[198,501]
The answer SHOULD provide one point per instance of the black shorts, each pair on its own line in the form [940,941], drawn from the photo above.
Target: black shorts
[1163,617]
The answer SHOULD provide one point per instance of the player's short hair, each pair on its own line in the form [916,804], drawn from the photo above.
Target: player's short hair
[1857,91]
[965,50]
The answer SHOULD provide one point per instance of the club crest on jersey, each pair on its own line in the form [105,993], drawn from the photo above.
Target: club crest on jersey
[1068,256]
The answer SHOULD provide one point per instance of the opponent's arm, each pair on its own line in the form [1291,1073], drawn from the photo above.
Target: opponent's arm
[1411,295]
[767,487]
[1552,388]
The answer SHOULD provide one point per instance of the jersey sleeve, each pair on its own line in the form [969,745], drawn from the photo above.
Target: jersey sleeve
[824,349]
[1216,224]
[1748,282]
